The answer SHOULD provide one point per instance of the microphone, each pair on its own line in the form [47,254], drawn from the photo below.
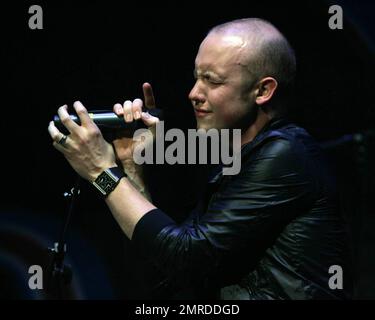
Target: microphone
[108,120]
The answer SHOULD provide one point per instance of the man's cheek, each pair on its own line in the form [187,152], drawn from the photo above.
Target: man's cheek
[227,118]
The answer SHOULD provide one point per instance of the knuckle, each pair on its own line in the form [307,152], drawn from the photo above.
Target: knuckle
[94,131]
[80,111]
[64,119]
[84,140]
[117,108]
[127,105]
[137,105]
[54,136]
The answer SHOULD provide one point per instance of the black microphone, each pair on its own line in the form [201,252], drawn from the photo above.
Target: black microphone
[107,119]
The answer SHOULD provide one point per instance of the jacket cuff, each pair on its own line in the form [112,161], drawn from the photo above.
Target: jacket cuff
[147,229]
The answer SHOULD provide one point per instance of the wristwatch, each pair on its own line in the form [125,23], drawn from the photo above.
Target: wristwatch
[107,181]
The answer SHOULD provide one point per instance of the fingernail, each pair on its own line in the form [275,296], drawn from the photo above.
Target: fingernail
[128,117]
[137,115]
[146,115]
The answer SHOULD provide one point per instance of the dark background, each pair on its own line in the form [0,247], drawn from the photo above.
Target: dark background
[100,53]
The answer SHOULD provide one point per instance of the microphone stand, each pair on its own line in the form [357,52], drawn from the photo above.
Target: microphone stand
[60,274]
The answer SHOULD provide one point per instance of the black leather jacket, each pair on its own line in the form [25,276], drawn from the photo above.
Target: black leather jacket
[270,232]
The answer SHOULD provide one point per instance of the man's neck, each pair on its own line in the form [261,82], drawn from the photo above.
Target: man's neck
[250,133]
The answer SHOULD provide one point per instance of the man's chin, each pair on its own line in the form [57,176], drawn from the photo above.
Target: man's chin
[205,125]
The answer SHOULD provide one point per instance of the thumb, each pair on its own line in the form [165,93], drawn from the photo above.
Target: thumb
[148,119]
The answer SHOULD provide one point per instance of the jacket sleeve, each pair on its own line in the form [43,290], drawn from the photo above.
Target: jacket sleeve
[244,217]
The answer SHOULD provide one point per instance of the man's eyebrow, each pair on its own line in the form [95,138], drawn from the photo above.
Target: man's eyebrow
[206,72]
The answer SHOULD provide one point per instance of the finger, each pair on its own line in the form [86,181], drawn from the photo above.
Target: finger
[117,108]
[128,114]
[66,120]
[137,108]
[82,114]
[149,120]
[59,147]
[148,95]
[55,134]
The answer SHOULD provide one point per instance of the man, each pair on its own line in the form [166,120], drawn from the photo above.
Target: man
[270,232]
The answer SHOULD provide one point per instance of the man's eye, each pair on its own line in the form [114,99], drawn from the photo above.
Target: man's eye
[211,80]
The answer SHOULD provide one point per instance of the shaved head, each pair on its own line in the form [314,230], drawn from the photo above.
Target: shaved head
[265,51]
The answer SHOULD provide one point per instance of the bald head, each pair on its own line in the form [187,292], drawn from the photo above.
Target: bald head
[253,31]
[266,52]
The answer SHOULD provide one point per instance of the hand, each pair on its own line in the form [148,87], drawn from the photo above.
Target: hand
[125,144]
[84,148]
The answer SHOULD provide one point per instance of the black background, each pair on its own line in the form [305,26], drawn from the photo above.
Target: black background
[100,53]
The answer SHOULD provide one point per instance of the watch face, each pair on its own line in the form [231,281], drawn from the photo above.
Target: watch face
[107,181]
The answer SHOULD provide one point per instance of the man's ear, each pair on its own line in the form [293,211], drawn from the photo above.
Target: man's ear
[266,90]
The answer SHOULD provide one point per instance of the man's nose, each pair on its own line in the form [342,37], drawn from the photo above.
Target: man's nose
[196,94]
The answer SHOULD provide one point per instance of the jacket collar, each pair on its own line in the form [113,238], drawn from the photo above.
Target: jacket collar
[273,124]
